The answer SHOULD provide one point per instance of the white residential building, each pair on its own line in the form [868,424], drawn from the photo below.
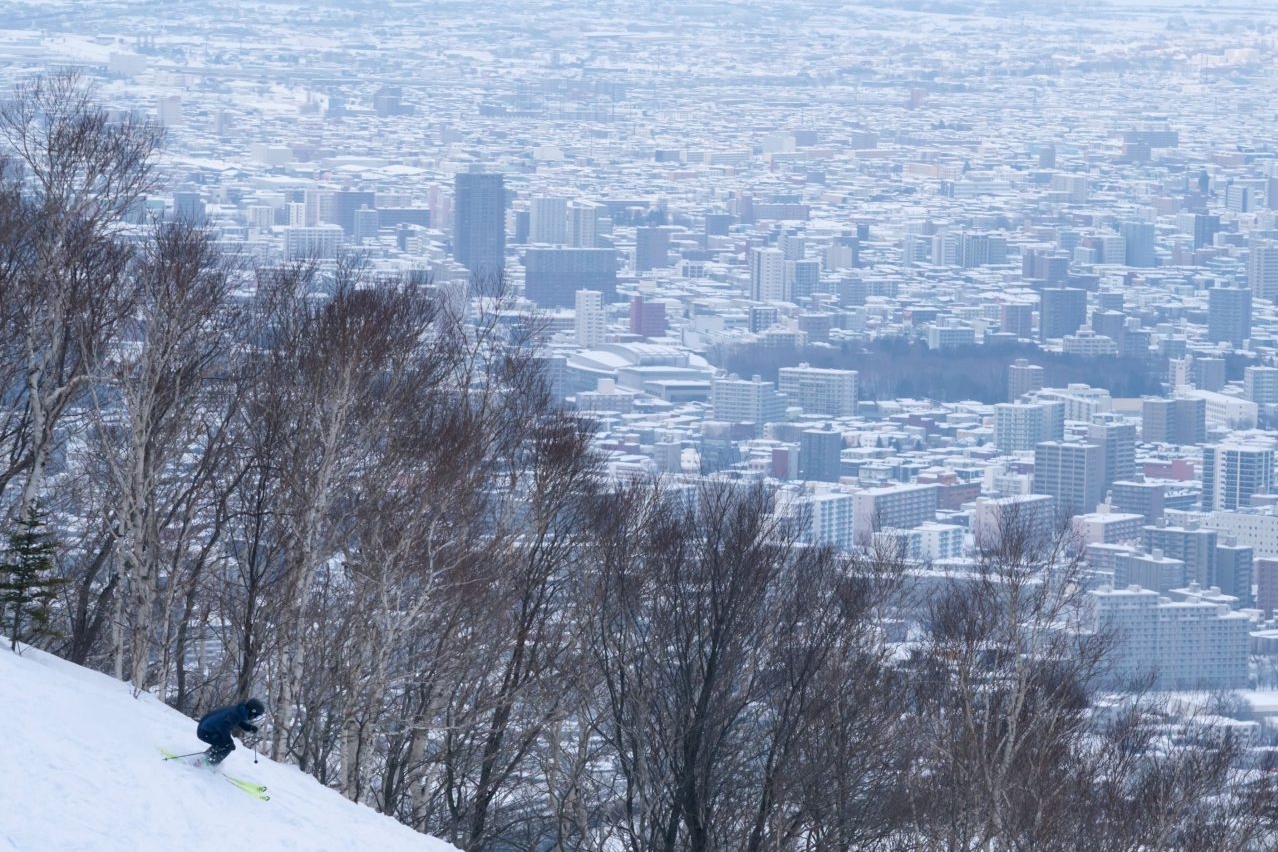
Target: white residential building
[1182,645]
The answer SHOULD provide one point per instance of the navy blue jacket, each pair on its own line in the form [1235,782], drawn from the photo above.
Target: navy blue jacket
[221,722]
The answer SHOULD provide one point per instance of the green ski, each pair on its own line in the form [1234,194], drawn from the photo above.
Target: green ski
[255,790]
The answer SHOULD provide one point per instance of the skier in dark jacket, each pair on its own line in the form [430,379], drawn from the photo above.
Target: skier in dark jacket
[217,726]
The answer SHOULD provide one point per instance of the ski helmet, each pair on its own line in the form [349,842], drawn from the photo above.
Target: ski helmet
[254,707]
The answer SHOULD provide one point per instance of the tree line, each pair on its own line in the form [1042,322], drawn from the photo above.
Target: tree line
[353,494]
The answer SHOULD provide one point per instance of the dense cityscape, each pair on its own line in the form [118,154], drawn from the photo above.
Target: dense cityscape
[914,267]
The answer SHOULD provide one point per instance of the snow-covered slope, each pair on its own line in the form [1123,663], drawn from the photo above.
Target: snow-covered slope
[80,769]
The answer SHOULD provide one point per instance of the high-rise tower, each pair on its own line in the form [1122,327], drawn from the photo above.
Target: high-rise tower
[479,229]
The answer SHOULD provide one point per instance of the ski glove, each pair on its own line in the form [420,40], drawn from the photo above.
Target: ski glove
[252,729]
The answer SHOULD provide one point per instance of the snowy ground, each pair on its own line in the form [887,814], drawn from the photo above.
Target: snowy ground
[80,769]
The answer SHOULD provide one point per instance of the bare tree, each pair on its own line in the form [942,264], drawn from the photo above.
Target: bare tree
[68,172]
[162,425]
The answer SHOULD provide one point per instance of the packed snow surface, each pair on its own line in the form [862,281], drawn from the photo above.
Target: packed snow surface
[80,769]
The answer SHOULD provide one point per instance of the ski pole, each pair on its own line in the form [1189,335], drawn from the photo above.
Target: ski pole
[176,756]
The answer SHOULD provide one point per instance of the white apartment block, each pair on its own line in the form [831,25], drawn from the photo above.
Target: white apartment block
[548,220]
[894,506]
[319,241]
[1107,528]
[767,275]
[1082,402]
[1035,513]
[590,320]
[940,541]
[818,390]
[1183,645]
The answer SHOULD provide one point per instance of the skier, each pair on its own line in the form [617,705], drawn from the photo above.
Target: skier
[216,727]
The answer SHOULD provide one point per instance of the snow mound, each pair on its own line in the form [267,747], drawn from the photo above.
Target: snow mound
[80,769]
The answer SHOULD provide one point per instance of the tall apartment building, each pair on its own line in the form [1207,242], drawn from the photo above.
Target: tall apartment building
[1260,385]
[1071,473]
[1234,566]
[647,319]
[1117,439]
[1143,498]
[1195,546]
[755,401]
[1019,427]
[652,249]
[1140,243]
[548,220]
[819,390]
[1266,569]
[1061,311]
[803,278]
[1181,420]
[1262,269]
[590,319]
[1232,473]
[479,226]
[1228,315]
[583,224]
[1022,377]
[345,203]
[767,275]
[1155,571]
[1182,645]
[829,520]
[1016,318]
[820,455]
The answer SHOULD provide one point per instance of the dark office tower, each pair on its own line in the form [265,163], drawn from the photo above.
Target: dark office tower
[820,455]
[717,224]
[1111,324]
[1138,498]
[523,227]
[1047,157]
[1061,311]
[1173,421]
[1022,377]
[1016,318]
[1194,546]
[1117,440]
[1136,343]
[188,207]
[647,319]
[1228,315]
[552,276]
[805,278]
[1110,300]
[1205,229]
[763,317]
[1140,243]
[479,229]
[345,203]
[1233,570]
[1209,373]
[1262,269]
[652,249]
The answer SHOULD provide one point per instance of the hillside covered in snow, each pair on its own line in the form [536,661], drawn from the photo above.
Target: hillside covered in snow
[80,769]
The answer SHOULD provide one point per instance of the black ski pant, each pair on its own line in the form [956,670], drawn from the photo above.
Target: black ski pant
[220,744]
